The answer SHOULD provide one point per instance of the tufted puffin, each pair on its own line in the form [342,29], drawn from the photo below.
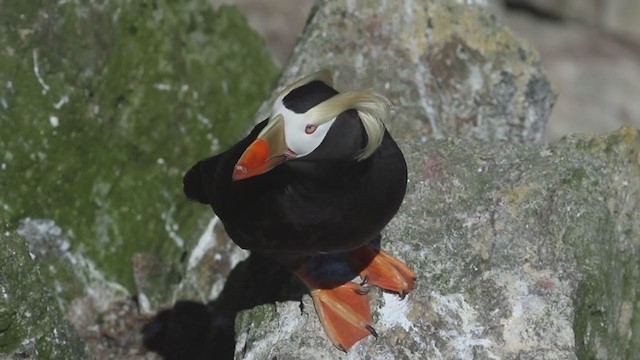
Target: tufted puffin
[319,179]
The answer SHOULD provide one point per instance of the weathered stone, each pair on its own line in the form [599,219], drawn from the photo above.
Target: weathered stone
[31,323]
[521,252]
[209,264]
[103,106]
[155,281]
[449,69]
[279,22]
[72,275]
[596,74]
[619,16]
[103,313]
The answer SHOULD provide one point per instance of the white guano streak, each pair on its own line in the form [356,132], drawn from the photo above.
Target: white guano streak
[420,75]
[36,71]
[207,241]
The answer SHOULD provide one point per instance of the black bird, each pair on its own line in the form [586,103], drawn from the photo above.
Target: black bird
[320,177]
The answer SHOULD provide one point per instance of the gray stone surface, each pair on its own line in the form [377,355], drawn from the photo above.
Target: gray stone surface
[450,69]
[103,313]
[31,323]
[280,22]
[596,74]
[617,16]
[521,252]
[594,69]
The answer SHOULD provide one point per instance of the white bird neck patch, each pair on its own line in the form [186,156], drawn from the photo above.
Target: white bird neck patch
[302,138]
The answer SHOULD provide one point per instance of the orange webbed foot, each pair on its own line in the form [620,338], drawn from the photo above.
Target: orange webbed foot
[343,310]
[379,269]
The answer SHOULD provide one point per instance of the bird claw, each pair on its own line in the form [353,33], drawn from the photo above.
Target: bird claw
[343,311]
[379,269]
[372,331]
[365,280]
[362,290]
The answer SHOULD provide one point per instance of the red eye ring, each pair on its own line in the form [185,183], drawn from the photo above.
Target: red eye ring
[310,129]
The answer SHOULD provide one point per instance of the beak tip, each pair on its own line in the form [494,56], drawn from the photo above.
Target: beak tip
[262,155]
[239,172]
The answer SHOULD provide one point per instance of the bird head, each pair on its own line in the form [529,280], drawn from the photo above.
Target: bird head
[305,115]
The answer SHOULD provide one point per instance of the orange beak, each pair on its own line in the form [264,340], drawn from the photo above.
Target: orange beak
[266,152]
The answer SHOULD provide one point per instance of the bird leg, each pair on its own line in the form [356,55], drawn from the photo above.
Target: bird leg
[379,269]
[343,309]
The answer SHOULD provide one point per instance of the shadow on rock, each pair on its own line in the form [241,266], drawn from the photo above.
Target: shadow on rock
[193,330]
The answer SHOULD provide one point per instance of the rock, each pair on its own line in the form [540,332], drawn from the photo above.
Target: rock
[197,330]
[618,16]
[279,22]
[452,66]
[449,69]
[31,324]
[104,107]
[521,252]
[72,275]
[155,281]
[209,264]
[105,315]
[596,75]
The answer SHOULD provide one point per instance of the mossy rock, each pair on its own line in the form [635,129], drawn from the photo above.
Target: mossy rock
[105,104]
[31,324]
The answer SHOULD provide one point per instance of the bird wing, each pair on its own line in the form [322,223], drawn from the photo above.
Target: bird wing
[197,183]
[200,174]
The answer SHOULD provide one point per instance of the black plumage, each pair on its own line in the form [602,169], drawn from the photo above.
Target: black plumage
[325,202]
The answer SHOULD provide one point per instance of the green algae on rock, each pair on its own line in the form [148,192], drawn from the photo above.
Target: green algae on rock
[31,323]
[103,106]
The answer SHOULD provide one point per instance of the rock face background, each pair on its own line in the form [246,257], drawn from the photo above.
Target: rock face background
[449,70]
[617,16]
[594,68]
[522,251]
[589,50]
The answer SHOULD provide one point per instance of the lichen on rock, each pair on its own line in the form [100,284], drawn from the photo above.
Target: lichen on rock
[104,104]
[31,323]
[521,252]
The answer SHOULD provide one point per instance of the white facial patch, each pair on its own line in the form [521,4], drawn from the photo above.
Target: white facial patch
[300,138]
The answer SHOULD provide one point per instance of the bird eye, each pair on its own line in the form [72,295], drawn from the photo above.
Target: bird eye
[310,129]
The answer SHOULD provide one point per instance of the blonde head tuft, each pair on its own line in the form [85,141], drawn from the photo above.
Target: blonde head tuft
[372,108]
